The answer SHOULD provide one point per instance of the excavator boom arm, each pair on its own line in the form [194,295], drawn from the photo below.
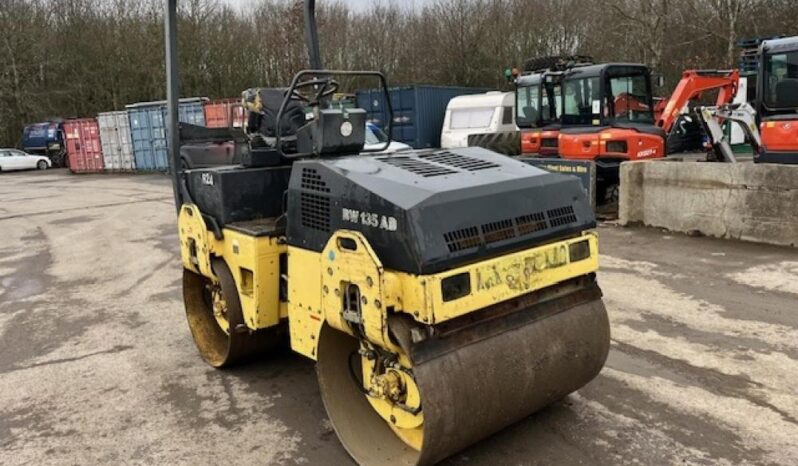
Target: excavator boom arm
[692,84]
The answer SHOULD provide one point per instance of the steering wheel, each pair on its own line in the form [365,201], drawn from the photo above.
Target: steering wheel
[326,87]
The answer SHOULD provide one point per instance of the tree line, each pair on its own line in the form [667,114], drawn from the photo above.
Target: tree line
[71,58]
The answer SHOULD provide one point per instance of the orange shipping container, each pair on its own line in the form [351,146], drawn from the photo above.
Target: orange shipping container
[218,112]
[84,151]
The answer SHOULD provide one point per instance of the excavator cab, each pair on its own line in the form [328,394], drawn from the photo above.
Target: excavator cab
[539,102]
[538,109]
[777,101]
[608,95]
[608,117]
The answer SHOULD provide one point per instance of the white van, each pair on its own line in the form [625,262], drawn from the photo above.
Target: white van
[491,112]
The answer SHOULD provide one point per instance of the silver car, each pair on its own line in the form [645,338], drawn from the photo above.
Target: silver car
[14,159]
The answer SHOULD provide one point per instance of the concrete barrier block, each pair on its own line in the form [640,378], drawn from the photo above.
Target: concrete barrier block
[751,202]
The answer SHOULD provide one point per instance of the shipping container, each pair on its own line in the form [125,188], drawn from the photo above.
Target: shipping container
[115,140]
[418,111]
[217,113]
[84,151]
[148,130]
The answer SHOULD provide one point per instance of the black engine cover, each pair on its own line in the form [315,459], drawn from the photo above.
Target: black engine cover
[236,194]
[428,211]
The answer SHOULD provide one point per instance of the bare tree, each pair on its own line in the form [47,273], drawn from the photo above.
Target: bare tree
[73,58]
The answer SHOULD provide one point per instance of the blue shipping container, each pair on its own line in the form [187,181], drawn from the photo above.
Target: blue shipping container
[418,111]
[148,130]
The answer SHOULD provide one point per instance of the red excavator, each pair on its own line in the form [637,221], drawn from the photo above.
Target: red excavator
[588,90]
[777,101]
[541,137]
[691,87]
[770,121]
[537,95]
[617,126]
[622,127]
[609,115]
[539,103]
[678,115]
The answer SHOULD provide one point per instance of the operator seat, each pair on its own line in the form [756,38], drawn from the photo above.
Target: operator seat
[532,114]
[787,93]
[263,105]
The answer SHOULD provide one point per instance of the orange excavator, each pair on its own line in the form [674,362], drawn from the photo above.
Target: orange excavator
[777,101]
[691,87]
[609,115]
[587,91]
[607,118]
[539,103]
[625,124]
[770,122]
[536,111]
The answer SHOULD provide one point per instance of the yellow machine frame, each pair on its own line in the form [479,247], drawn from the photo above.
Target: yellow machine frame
[315,293]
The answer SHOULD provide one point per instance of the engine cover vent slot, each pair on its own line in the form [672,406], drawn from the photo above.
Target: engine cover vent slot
[561,216]
[462,162]
[498,231]
[417,166]
[531,223]
[464,238]
[311,180]
[493,232]
[315,211]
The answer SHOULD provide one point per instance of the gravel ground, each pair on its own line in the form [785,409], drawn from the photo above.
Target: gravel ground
[97,365]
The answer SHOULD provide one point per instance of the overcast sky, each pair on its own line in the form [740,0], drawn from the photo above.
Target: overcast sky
[356,4]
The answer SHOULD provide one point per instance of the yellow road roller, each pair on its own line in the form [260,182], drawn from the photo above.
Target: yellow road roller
[444,294]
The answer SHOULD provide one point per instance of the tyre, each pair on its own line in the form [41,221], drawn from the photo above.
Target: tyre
[42,165]
[607,194]
[612,195]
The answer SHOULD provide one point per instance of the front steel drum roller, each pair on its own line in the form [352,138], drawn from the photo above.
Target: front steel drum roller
[216,320]
[467,392]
